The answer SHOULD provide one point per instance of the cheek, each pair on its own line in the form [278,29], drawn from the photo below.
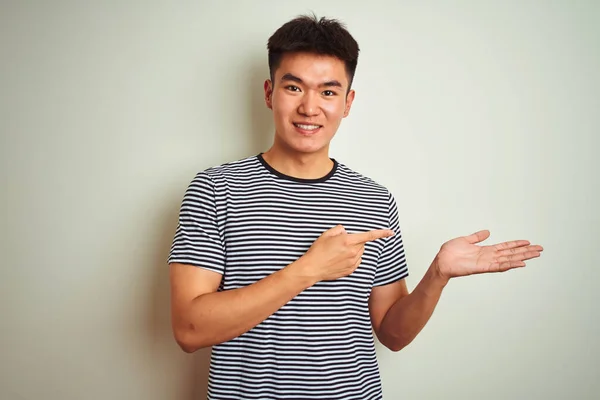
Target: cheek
[282,109]
[334,109]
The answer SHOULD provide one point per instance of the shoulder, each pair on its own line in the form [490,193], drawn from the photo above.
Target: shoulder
[218,175]
[356,179]
[232,168]
[214,181]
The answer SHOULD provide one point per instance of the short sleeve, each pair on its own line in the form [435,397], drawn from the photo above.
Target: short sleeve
[198,238]
[392,266]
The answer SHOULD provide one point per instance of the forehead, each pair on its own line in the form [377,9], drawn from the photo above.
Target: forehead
[312,68]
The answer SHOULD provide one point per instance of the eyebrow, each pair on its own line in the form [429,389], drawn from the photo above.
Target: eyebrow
[290,77]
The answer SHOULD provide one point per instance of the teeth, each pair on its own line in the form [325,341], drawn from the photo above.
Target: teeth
[308,127]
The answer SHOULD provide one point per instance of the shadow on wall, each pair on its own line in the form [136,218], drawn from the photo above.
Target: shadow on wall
[259,136]
[259,117]
[160,312]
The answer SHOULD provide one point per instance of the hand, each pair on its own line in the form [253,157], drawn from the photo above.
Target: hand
[461,256]
[337,253]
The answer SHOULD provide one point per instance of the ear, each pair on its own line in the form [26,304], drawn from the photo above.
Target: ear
[268,87]
[349,100]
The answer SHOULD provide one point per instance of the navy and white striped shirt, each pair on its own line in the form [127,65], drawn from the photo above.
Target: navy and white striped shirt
[245,220]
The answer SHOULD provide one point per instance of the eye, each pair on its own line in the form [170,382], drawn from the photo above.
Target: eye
[293,88]
[328,93]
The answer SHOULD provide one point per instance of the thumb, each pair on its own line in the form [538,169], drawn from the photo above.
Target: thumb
[478,236]
[336,230]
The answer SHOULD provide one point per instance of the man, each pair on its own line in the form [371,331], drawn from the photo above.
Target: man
[286,262]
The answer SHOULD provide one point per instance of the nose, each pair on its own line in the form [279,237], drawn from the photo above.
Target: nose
[309,105]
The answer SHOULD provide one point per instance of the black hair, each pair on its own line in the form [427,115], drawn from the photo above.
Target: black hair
[307,33]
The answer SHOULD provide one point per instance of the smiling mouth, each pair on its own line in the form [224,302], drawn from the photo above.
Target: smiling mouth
[307,127]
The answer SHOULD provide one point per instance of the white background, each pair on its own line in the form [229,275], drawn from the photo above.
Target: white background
[475,114]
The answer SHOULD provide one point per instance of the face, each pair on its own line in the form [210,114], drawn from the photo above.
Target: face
[309,98]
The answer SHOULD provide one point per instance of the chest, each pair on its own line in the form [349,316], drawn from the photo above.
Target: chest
[270,229]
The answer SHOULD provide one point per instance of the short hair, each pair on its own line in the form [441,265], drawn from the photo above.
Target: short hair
[307,33]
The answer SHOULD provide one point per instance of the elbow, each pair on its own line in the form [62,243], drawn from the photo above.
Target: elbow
[188,340]
[393,343]
[395,347]
[187,347]
[184,342]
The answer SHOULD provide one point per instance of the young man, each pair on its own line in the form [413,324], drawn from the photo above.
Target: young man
[286,262]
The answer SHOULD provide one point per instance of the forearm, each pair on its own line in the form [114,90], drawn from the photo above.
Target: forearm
[217,317]
[407,317]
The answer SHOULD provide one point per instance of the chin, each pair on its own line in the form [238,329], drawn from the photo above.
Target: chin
[307,144]
[307,148]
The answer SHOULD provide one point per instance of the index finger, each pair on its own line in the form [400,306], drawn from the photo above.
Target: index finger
[363,237]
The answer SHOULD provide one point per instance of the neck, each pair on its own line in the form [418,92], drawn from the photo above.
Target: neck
[299,165]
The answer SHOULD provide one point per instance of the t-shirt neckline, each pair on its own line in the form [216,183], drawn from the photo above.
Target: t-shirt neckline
[293,178]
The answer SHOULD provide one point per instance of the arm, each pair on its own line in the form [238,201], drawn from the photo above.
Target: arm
[398,317]
[202,317]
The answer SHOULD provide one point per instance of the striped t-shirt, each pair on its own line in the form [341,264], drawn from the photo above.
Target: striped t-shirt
[245,220]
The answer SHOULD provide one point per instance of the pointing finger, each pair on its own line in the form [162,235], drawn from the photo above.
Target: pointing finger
[336,230]
[363,237]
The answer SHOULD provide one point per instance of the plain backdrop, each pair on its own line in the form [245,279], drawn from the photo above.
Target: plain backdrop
[475,114]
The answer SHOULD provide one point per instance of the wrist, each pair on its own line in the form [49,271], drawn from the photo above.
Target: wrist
[300,272]
[437,277]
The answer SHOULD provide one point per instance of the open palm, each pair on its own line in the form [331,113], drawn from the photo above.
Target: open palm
[462,256]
